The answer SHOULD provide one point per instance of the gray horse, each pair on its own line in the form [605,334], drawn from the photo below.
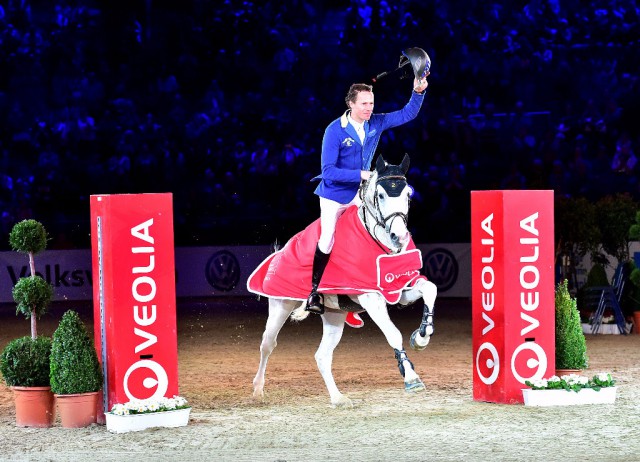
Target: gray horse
[383,213]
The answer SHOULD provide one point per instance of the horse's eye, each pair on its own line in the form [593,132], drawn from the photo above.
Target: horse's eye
[380,196]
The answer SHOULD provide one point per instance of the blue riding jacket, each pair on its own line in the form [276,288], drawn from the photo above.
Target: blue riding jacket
[344,157]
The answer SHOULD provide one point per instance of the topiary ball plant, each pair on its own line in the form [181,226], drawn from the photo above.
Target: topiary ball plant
[571,346]
[634,229]
[32,296]
[28,236]
[24,362]
[74,362]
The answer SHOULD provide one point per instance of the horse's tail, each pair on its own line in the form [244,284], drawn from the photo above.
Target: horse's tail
[299,314]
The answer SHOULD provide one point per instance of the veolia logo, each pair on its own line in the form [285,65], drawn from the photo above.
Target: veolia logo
[391,277]
[223,271]
[441,268]
[488,367]
[159,380]
[537,363]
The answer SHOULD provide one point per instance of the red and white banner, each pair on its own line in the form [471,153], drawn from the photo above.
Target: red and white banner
[134,295]
[513,283]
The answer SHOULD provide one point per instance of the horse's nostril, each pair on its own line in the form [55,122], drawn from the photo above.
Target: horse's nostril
[394,237]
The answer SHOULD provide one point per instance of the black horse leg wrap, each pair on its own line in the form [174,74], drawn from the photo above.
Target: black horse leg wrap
[401,355]
[427,320]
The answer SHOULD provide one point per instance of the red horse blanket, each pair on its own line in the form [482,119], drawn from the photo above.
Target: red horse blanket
[357,264]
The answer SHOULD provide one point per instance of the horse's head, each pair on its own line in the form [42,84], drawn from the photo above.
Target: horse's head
[385,204]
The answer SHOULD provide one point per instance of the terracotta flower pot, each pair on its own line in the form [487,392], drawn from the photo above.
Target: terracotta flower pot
[636,322]
[77,410]
[34,406]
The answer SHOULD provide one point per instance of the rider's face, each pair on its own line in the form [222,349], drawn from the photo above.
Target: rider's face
[362,109]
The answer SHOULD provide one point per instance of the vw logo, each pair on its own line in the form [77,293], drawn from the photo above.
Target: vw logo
[441,267]
[223,271]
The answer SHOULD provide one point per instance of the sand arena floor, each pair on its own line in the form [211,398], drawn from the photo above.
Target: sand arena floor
[218,344]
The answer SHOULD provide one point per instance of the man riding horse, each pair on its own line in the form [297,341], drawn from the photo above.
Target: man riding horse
[374,261]
[348,148]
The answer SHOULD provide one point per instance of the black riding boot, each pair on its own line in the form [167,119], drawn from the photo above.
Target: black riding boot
[315,302]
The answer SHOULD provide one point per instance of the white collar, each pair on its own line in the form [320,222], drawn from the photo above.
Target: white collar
[343,119]
[354,123]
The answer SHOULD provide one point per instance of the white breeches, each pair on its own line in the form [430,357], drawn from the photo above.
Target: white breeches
[330,211]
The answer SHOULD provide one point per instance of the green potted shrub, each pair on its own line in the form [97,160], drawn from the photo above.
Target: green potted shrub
[24,362]
[634,277]
[596,277]
[571,346]
[76,377]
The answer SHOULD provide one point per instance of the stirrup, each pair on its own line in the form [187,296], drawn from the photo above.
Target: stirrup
[315,303]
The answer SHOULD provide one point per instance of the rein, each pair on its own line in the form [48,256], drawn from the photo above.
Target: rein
[376,213]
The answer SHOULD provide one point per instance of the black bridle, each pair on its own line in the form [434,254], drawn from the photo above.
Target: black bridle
[397,183]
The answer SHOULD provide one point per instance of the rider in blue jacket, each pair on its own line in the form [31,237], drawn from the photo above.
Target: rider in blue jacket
[348,148]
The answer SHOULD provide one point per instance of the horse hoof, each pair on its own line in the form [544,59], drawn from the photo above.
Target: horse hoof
[414,386]
[258,394]
[342,402]
[417,342]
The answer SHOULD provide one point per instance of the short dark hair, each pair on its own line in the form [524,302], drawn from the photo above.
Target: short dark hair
[354,89]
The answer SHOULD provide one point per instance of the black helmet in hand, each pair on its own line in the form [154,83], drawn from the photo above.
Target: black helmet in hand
[419,59]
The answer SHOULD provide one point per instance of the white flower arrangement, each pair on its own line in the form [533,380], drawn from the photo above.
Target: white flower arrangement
[148,406]
[608,319]
[573,382]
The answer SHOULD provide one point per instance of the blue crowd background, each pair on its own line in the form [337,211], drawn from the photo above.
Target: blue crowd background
[224,103]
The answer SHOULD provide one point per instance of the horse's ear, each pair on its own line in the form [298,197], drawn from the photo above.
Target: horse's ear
[380,164]
[405,164]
